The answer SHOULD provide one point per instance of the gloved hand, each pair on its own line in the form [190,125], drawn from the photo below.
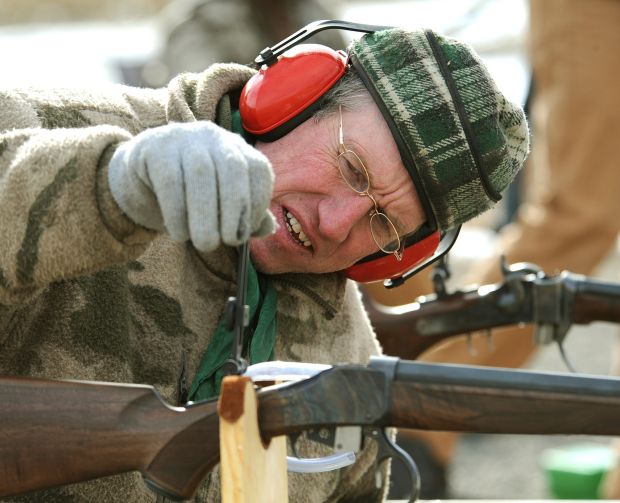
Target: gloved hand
[195,181]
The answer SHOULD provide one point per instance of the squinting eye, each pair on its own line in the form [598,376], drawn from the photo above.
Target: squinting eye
[356,174]
[353,171]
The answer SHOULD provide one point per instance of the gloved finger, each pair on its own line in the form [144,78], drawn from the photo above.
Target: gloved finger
[267,225]
[202,200]
[131,188]
[261,187]
[165,170]
[234,193]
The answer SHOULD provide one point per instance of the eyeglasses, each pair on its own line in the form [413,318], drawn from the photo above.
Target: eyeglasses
[355,174]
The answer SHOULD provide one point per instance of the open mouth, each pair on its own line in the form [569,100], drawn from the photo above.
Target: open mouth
[295,230]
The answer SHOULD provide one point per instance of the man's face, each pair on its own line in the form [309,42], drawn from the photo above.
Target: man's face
[334,220]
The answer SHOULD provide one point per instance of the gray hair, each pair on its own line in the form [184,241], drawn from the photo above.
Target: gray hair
[349,93]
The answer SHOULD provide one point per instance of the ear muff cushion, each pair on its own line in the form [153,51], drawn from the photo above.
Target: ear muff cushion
[282,91]
[386,266]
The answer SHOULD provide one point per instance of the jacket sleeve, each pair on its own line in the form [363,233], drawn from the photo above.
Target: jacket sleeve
[58,218]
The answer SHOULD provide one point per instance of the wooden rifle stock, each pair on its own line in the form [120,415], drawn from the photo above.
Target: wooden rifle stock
[60,432]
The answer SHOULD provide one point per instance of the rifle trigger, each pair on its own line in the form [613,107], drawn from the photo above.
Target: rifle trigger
[387,448]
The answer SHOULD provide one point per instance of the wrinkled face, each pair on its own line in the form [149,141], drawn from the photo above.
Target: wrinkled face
[312,199]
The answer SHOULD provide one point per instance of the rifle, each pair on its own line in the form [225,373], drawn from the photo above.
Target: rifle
[59,432]
[525,296]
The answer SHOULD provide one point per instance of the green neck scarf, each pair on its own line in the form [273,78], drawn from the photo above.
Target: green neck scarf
[259,337]
[258,341]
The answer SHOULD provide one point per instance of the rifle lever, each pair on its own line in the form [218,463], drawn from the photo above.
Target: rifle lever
[387,448]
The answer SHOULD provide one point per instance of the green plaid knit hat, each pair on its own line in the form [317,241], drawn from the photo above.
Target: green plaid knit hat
[460,139]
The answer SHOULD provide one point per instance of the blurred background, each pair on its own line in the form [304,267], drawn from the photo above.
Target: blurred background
[76,43]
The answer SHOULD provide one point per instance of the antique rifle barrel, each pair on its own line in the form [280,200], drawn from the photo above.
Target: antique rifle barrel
[479,399]
[594,300]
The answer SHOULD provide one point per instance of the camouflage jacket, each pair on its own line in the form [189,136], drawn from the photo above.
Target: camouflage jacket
[87,294]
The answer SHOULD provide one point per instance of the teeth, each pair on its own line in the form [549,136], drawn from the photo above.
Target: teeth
[294,227]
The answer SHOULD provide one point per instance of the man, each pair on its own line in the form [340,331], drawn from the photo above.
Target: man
[125,206]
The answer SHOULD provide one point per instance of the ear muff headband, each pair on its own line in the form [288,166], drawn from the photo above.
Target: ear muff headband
[285,92]
[269,55]
[291,80]
[280,97]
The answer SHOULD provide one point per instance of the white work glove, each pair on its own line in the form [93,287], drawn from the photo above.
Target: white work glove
[195,181]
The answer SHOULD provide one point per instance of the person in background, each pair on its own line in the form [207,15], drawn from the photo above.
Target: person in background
[199,33]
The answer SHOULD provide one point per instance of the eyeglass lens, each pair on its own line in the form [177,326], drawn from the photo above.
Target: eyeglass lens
[356,176]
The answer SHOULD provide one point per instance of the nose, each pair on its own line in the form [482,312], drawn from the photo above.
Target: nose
[340,213]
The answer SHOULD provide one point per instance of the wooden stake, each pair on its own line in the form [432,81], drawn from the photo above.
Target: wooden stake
[251,472]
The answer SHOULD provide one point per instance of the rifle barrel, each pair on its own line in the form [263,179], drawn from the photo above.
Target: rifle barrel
[409,330]
[484,400]
[594,300]
[430,396]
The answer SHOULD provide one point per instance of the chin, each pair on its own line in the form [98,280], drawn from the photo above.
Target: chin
[265,267]
[263,258]
[268,258]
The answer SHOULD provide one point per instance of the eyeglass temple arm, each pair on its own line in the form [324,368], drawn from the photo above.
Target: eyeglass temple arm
[269,55]
[340,134]
[445,244]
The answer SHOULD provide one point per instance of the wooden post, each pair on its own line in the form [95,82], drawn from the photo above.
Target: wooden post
[251,472]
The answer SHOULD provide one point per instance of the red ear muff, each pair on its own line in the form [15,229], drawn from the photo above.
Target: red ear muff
[279,97]
[416,256]
[291,79]
[387,267]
